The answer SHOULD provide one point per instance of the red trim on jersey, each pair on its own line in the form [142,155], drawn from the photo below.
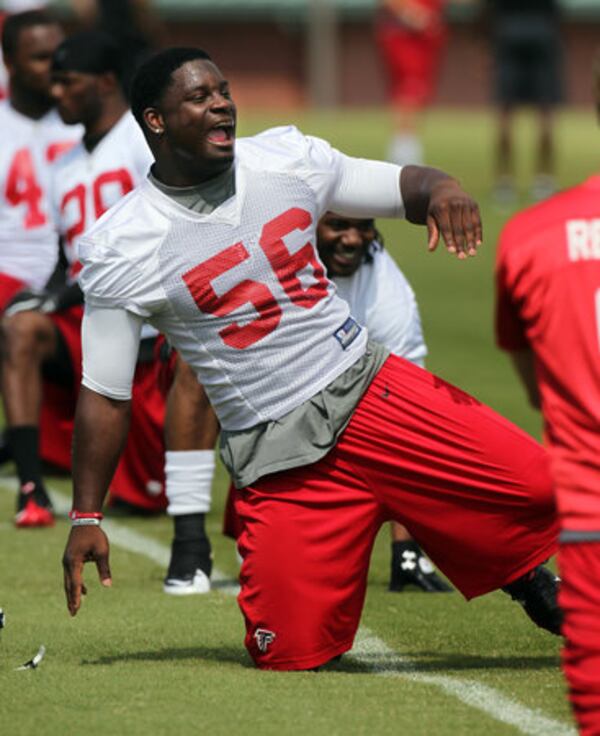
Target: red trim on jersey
[55,150]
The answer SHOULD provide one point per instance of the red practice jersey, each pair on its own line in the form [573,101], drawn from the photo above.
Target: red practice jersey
[548,298]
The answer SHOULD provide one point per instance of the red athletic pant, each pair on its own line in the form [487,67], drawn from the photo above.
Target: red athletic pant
[580,600]
[473,489]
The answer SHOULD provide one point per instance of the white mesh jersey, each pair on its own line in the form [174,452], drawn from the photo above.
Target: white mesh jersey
[381,298]
[28,243]
[86,184]
[241,292]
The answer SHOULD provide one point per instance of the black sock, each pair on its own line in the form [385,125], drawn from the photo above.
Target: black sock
[24,445]
[189,527]
[191,547]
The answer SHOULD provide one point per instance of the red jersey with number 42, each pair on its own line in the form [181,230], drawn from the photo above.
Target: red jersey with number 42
[86,184]
[28,243]
[548,288]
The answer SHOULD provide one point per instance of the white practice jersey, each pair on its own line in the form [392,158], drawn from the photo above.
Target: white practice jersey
[241,292]
[381,298]
[28,242]
[86,184]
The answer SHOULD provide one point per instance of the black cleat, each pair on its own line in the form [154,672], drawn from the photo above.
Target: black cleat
[410,567]
[537,593]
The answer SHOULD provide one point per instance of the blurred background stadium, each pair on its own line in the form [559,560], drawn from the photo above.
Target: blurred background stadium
[282,53]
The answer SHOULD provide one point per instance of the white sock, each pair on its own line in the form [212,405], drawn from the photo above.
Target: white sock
[405,148]
[189,475]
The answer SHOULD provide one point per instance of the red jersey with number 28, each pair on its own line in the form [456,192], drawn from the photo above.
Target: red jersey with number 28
[548,286]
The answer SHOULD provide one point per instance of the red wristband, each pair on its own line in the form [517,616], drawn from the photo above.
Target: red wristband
[85,515]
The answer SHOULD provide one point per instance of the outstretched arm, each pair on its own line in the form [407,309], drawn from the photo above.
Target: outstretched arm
[425,196]
[100,431]
[435,199]
[110,339]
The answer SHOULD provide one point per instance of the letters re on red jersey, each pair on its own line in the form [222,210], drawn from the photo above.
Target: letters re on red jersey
[548,298]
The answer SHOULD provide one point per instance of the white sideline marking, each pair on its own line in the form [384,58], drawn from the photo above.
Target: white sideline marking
[368,648]
[381,659]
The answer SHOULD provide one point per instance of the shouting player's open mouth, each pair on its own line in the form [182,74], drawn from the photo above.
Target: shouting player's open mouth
[223,134]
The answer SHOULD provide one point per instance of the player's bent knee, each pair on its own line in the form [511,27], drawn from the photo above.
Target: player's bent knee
[23,334]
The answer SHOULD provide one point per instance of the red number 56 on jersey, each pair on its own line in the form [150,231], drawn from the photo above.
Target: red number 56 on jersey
[286,266]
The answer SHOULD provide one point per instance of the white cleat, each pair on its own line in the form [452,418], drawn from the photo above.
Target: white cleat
[196,585]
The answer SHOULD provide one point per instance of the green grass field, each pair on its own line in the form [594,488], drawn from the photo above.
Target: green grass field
[135,661]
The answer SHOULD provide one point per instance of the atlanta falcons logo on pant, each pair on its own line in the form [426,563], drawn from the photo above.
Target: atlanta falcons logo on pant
[263,639]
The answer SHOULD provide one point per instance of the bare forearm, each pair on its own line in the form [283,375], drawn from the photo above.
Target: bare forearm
[435,199]
[101,426]
[416,185]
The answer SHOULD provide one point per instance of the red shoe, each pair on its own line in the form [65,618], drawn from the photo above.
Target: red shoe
[33,515]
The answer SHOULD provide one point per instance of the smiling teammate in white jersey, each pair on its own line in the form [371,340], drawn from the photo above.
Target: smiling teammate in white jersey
[380,298]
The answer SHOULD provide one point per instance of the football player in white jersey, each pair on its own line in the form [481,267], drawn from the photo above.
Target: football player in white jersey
[326,435]
[33,136]
[44,342]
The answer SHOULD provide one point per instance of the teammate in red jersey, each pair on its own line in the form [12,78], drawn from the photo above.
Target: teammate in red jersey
[325,434]
[548,319]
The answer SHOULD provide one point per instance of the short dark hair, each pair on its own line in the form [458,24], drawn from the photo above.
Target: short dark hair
[154,76]
[90,52]
[18,22]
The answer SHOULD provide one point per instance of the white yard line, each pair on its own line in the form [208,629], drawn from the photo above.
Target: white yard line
[369,649]
[372,651]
